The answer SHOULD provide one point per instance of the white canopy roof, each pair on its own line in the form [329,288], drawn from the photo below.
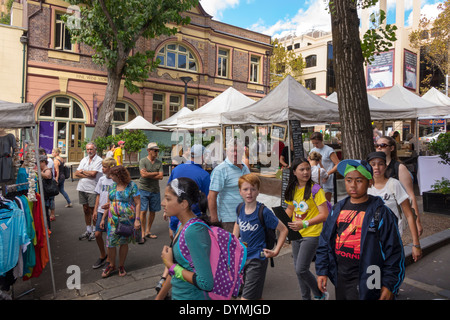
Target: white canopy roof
[435,96]
[403,98]
[288,101]
[16,115]
[140,123]
[171,122]
[209,114]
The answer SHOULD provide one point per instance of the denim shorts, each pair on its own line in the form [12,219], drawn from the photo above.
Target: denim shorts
[150,201]
[99,220]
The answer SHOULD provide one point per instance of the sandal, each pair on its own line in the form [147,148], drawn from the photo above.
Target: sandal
[107,272]
[52,218]
[151,236]
[122,272]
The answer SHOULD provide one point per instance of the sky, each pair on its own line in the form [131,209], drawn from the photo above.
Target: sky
[283,17]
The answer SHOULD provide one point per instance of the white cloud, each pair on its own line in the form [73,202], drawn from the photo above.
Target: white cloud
[314,17]
[215,7]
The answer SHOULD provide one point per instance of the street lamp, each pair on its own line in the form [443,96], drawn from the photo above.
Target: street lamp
[185,80]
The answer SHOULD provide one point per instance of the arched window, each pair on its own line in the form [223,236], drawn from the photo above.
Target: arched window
[123,113]
[177,56]
[311,61]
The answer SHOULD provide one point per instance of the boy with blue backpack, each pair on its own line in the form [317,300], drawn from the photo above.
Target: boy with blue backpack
[256,226]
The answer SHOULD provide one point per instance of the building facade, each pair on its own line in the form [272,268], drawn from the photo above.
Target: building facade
[67,87]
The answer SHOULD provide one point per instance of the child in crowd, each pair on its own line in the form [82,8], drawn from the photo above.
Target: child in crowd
[252,233]
[360,248]
[308,212]
[101,207]
[318,173]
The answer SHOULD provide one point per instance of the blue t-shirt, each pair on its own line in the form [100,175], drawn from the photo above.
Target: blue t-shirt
[252,232]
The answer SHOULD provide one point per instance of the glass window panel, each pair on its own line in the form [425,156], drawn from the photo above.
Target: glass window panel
[182,61]
[62,130]
[191,56]
[62,100]
[80,135]
[72,138]
[174,99]
[58,35]
[171,59]
[172,46]
[131,114]
[158,97]
[161,58]
[77,111]
[46,109]
[162,50]
[192,66]
[157,115]
[182,49]
[67,39]
[119,116]
[62,112]
[120,105]
[223,52]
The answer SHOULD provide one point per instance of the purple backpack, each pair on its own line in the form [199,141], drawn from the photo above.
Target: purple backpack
[316,187]
[227,258]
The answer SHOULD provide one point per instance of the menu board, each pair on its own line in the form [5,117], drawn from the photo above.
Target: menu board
[297,139]
[284,183]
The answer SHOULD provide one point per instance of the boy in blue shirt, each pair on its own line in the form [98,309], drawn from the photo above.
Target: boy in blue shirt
[251,231]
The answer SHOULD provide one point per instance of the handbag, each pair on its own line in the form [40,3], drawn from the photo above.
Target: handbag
[51,188]
[123,229]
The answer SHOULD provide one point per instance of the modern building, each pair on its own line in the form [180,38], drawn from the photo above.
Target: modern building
[67,87]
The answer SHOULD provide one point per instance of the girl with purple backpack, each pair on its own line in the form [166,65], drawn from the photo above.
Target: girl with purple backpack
[308,208]
[186,283]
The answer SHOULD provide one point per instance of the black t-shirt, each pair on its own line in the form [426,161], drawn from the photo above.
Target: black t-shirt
[348,238]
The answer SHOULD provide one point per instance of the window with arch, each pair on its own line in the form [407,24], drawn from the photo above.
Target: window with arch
[311,61]
[177,56]
[124,112]
[61,107]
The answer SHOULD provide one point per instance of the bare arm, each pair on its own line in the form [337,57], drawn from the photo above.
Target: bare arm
[212,205]
[407,183]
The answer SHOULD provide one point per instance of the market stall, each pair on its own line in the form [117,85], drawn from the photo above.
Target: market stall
[13,117]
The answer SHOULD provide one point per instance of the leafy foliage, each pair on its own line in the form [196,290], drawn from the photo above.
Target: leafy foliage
[282,63]
[441,147]
[442,186]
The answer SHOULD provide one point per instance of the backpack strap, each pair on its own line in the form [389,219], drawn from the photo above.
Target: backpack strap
[263,223]
[239,208]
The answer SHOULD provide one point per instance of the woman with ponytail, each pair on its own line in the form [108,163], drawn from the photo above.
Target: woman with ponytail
[308,212]
[186,284]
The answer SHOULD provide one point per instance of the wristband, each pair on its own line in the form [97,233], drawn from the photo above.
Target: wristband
[305,224]
[178,270]
[171,269]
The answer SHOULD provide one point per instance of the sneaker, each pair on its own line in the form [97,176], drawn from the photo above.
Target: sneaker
[91,236]
[85,235]
[69,205]
[99,263]
[325,296]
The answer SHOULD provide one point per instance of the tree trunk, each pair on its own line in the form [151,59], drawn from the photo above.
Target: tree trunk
[105,115]
[350,82]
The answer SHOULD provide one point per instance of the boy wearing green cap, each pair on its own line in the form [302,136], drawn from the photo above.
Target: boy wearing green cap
[360,249]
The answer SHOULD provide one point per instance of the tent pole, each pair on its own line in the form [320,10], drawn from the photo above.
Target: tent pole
[41,190]
[289,141]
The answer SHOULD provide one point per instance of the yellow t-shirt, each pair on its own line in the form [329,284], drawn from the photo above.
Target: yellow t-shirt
[118,156]
[311,212]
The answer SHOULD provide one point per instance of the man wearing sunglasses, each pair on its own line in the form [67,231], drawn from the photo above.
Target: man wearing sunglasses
[151,172]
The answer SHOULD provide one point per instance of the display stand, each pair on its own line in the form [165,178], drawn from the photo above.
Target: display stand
[21,116]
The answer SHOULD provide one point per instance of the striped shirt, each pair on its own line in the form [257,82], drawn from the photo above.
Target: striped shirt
[224,180]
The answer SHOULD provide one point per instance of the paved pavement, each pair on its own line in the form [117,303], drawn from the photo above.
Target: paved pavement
[425,280]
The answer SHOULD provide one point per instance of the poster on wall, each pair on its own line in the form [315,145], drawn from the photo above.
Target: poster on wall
[46,135]
[380,73]
[410,70]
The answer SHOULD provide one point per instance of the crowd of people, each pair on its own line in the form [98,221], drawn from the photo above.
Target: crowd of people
[361,231]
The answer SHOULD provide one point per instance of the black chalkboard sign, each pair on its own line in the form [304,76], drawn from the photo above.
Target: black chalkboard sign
[284,183]
[297,139]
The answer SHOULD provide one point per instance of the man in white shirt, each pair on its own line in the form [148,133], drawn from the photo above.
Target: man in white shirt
[89,171]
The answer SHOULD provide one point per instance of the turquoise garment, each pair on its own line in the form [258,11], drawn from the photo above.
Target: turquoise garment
[13,236]
[22,177]
[199,244]
[29,256]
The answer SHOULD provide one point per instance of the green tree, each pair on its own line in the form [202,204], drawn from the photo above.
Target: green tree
[112,28]
[282,63]
[135,140]
[433,39]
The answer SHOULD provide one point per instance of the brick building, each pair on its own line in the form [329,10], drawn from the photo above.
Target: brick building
[67,88]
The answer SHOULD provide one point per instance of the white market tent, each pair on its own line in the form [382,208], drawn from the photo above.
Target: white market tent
[139,123]
[435,96]
[403,98]
[288,101]
[171,122]
[209,115]
[21,116]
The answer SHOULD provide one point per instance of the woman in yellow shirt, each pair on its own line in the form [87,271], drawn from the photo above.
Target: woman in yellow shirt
[308,213]
[118,154]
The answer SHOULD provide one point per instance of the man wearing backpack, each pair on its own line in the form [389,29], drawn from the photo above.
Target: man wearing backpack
[360,248]
[253,230]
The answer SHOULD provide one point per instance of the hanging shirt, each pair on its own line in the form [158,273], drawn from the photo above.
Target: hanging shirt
[13,236]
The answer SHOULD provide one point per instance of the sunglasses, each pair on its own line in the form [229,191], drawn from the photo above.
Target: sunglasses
[381,145]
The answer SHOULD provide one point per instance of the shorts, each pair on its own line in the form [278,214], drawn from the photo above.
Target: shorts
[99,220]
[150,201]
[254,277]
[87,198]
